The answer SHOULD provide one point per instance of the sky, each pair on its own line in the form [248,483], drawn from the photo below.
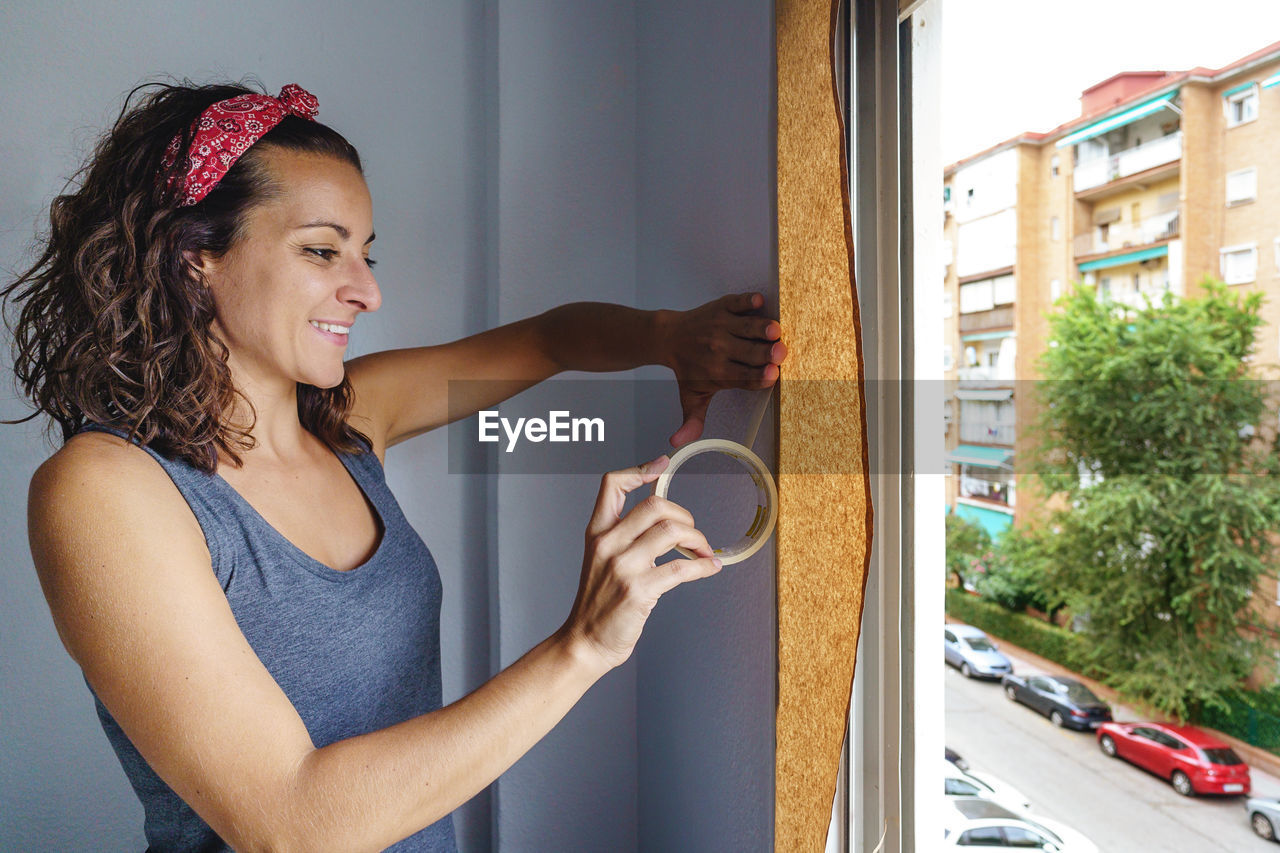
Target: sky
[1010,66]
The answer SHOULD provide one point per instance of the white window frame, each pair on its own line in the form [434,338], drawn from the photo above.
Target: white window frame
[897,720]
[1229,103]
[1235,250]
[1242,199]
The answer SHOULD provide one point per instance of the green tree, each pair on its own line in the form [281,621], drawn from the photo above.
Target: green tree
[966,542]
[1145,418]
[1015,576]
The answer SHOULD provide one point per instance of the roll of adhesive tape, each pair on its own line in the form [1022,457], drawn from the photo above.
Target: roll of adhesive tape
[761,526]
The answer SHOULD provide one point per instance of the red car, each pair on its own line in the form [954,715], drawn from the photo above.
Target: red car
[1192,761]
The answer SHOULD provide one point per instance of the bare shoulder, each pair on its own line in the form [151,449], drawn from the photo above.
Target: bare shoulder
[92,504]
[106,475]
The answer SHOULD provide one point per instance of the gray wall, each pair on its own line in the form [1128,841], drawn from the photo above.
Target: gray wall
[705,116]
[520,154]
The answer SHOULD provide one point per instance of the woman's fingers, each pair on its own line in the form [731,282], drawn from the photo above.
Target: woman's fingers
[672,574]
[614,487]
[642,516]
[666,535]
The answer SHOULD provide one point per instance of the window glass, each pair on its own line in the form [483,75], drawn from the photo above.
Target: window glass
[959,787]
[951,638]
[1242,107]
[980,644]
[1018,836]
[990,836]
[1222,756]
[1082,695]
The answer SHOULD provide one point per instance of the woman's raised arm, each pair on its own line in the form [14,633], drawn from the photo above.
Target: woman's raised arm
[722,344]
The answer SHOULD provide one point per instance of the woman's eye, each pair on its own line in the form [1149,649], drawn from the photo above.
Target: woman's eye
[371,262]
[321,253]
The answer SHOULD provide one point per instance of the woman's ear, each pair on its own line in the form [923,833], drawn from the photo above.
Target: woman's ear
[201,265]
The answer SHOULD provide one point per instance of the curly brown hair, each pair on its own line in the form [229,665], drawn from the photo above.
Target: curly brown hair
[115,323]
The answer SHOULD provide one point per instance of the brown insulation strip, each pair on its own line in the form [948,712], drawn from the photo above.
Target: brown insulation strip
[824,519]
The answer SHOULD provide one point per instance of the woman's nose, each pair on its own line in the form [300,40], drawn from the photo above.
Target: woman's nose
[362,290]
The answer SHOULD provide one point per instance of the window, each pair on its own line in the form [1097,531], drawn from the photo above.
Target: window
[1242,186]
[1016,836]
[1242,107]
[1055,228]
[1055,286]
[1239,264]
[1004,290]
[989,835]
[1054,165]
[1135,212]
[959,787]
[978,296]
[948,357]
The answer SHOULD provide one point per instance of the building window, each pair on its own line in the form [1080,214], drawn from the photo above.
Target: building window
[1055,286]
[1055,228]
[1242,186]
[978,296]
[1242,107]
[1239,264]
[948,358]
[1054,166]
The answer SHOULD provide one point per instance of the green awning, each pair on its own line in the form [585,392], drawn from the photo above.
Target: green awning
[1126,258]
[982,457]
[1273,80]
[1235,90]
[987,336]
[993,521]
[1119,120]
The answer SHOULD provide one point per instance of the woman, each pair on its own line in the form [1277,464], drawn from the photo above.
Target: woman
[256,620]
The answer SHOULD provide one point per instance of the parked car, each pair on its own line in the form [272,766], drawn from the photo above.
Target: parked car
[954,758]
[972,822]
[1264,816]
[970,783]
[973,653]
[1193,761]
[1065,701]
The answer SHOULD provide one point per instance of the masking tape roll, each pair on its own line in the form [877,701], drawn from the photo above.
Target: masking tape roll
[766,516]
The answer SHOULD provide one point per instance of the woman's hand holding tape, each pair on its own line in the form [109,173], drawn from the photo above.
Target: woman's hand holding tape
[621,580]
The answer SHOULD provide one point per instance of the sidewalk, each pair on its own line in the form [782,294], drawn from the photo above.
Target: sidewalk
[1259,759]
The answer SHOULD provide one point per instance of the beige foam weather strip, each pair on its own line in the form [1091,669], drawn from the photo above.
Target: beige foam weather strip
[824,498]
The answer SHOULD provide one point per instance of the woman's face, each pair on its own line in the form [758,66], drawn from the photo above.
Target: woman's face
[288,292]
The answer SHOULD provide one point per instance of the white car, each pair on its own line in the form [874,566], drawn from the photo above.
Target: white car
[970,783]
[973,823]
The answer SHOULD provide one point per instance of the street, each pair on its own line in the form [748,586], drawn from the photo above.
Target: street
[1120,807]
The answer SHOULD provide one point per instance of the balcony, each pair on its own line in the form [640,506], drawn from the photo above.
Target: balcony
[985,377]
[987,432]
[1132,161]
[995,318]
[1153,229]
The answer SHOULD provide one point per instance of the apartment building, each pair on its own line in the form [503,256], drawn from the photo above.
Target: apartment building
[1164,178]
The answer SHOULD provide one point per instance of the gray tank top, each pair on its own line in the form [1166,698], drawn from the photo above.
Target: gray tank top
[354,651]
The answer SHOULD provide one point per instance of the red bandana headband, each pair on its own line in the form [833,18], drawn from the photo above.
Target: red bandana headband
[226,129]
